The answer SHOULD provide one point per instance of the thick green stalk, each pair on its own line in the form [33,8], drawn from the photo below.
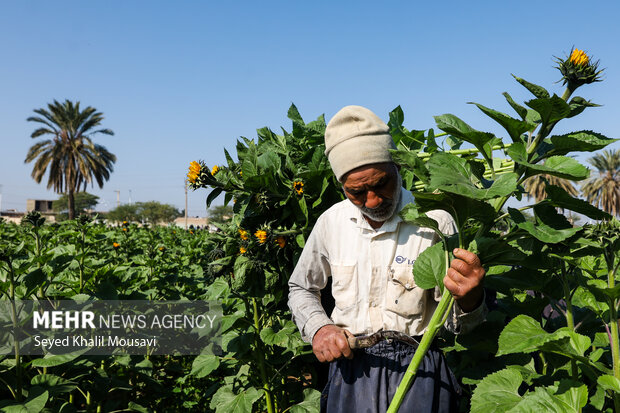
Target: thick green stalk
[443,308]
[261,361]
[436,322]
[18,366]
[613,325]
[570,321]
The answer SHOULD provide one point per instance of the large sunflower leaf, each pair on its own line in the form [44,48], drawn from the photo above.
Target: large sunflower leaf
[430,267]
[456,127]
[550,109]
[497,392]
[581,141]
[540,231]
[453,174]
[513,126]
[559,198]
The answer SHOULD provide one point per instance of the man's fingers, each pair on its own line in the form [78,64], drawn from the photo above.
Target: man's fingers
[467,256]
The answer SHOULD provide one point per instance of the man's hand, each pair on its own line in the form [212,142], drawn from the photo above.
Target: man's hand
[464,279]
[330,343]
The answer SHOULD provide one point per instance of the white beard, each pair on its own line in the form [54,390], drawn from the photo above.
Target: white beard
[387,208]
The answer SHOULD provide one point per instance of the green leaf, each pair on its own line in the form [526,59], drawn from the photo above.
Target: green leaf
[497,392]
[37,398]
[455,126]
[53,384]
[540,231]
[430,267]
[225,401]
[609,382]
[453,174]
[56,360]
[310,404]
[580,141]
[213,195]
[538,91]
[461,208]
[559,198]
[410,161]
[493,252]
[542,400]
[514,127]
[560,166]
[135,407]
[410,215]
[521,111]
[578,105]
[550,109]
[241,267]
[522,335]
[204,364]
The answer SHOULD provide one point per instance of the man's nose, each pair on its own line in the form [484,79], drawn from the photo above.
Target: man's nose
[373,200]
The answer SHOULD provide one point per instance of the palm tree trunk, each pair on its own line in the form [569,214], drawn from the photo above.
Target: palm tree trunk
[71,204]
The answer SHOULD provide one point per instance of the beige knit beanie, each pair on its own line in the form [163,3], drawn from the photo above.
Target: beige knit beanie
[355,137]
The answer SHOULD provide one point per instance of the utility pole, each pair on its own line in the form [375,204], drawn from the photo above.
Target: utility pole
[185,182]
[130,197]
[118,198]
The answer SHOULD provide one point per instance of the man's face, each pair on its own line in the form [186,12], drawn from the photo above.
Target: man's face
[374,189]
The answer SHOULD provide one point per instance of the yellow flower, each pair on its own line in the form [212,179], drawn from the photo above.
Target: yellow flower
[578,69]
[579,57]
[116,244]
[125,223]
[243,234]
[194,171]
[281,241]
[242,250]
[162,248]
[261,235]
[298,186]
[125,229]
[215,169]
[191,232]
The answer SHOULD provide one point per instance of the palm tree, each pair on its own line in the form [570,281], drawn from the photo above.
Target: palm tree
[72,157]
[604,189]
[535,186]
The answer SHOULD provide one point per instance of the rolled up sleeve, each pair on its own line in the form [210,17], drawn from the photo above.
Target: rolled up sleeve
[308,279]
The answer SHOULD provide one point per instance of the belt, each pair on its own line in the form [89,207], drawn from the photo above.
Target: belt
[365,341]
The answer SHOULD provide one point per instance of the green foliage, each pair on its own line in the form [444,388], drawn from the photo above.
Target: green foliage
[220,213]
[79,259]
[84,202]
[151,212]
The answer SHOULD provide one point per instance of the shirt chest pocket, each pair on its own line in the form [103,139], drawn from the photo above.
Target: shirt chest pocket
[402,296]
[344,285]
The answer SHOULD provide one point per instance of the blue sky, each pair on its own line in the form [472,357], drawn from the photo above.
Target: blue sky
[179,81]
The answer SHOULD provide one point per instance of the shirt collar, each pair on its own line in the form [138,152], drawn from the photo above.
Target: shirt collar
[391,225]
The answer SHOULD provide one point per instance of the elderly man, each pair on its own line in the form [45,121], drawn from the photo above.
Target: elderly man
[368,251]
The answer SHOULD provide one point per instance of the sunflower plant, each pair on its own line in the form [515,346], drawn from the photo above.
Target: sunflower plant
[533,362]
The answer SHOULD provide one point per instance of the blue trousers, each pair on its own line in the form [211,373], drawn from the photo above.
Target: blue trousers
[367,382]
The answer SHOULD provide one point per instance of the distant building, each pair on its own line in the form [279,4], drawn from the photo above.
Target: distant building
[39,205]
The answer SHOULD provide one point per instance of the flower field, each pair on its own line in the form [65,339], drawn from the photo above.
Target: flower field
[550,341]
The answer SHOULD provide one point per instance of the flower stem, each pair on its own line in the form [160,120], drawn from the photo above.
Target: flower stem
[261,361]
[435,324]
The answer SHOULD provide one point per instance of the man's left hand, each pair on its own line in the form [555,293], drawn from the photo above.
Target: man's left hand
[464,279]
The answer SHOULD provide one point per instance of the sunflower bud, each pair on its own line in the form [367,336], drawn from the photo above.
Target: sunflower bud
[578,69]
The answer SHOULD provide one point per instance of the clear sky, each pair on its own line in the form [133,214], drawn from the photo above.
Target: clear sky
[180,81]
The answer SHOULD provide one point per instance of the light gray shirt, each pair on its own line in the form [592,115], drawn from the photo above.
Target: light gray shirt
[372,279]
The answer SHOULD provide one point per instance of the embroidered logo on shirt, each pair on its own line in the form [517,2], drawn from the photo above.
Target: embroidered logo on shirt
[400,260]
